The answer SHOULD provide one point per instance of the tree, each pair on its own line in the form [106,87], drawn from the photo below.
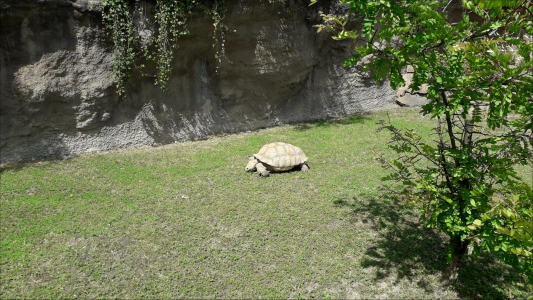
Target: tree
[479,72]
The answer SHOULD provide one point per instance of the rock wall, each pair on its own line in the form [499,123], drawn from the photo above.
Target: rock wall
[57,97]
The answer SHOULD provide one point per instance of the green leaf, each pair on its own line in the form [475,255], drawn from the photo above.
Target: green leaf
[470,74]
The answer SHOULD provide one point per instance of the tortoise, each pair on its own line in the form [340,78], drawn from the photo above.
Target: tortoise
[277,157]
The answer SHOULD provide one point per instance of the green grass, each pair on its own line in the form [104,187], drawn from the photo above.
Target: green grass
[186,221]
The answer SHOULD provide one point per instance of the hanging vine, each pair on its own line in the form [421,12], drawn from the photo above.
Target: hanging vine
[219,32]
[119,23]
[135,35]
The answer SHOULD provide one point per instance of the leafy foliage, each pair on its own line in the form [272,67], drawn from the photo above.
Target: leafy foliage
[480,76]
[118,21]
[140,31]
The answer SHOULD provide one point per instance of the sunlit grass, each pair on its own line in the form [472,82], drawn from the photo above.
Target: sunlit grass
[186,221]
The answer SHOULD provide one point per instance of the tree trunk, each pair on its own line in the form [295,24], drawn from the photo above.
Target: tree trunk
[460,248]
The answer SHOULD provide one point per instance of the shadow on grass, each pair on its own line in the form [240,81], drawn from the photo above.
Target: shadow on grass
[359,118]
[17,165]
[406,249]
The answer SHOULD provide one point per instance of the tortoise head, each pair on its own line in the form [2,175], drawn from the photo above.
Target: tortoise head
[250,167]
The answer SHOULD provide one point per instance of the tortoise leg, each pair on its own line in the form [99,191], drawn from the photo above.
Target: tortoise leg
[304,167]
[262,170]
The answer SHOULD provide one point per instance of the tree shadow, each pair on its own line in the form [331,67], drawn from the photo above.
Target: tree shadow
[405,249]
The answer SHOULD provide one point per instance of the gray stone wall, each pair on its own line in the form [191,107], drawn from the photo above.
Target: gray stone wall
[57,96]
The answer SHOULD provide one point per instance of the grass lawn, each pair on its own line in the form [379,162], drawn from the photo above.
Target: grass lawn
[186,221]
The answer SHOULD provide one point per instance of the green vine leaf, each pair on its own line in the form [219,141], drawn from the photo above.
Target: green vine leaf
[140,33]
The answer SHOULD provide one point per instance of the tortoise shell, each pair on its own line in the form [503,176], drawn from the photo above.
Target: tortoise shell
[281,156]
